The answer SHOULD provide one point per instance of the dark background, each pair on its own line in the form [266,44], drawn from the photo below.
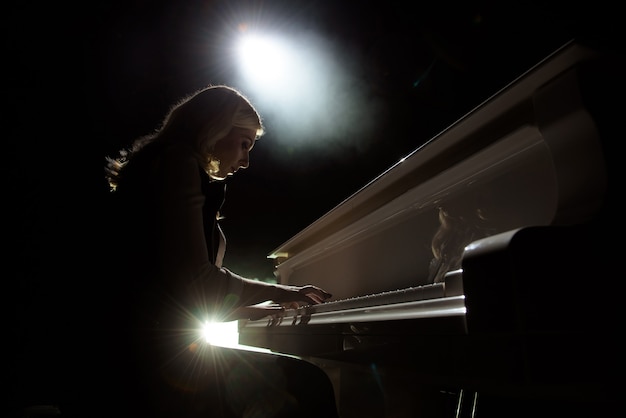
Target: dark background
[83,80]
[145,55]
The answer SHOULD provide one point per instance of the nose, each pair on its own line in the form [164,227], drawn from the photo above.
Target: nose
[244,162]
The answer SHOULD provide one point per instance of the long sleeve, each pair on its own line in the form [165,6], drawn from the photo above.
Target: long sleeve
[184,257]
[169,215]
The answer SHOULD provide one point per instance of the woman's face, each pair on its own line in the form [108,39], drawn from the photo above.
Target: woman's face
[233,151]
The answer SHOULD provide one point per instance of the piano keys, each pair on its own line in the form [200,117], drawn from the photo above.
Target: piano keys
[382,306]
[471,269]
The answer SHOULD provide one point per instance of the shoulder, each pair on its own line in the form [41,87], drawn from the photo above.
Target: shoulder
[157,166]
[177,155]
[177,161]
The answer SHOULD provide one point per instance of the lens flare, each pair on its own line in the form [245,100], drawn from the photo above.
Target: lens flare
[223,334]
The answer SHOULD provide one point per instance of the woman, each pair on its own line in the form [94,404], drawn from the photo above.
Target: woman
[168,250]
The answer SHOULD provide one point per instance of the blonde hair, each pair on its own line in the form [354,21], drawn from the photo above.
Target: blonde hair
[201,119]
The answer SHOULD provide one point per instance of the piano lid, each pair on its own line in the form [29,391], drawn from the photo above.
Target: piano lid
[529,155]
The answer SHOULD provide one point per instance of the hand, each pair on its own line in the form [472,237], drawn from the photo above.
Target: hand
[309,294]
[256,312]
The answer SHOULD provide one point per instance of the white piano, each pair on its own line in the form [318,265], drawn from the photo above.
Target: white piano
[474,278]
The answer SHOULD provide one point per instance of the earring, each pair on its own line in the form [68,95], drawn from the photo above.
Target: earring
[214,165]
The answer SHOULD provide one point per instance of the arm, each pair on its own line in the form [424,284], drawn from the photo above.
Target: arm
[285,296]
[255,291]
[185,258]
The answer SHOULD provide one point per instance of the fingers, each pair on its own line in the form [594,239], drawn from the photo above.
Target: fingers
[315,295]
[309,294]
[276,319]
[258,312]
[291,305]
[315,299]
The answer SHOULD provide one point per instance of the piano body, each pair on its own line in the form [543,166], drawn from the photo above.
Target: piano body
[474,277]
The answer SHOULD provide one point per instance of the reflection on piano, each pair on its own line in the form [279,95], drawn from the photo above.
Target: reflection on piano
[470,278]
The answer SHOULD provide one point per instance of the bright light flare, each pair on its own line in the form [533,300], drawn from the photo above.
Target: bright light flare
[223,334]
[307,87]
[263,59]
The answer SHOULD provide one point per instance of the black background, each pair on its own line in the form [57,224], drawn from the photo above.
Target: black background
[83,80]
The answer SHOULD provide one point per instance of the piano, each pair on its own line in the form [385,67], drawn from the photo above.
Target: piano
[476,276]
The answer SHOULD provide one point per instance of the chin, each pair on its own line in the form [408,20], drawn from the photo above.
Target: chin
[218,177]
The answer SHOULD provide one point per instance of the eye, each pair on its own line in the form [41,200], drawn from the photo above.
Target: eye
[246,145]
